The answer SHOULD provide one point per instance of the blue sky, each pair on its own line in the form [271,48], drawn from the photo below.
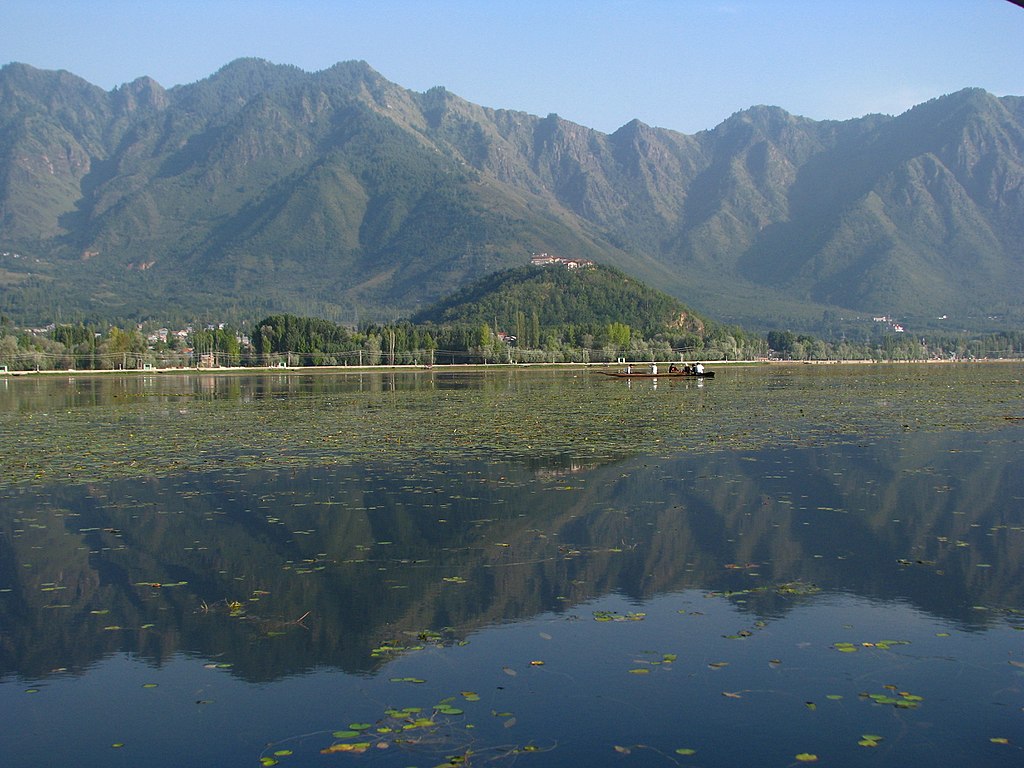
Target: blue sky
[680,64]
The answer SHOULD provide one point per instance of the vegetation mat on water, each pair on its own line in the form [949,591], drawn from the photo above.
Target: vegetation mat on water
[501,415]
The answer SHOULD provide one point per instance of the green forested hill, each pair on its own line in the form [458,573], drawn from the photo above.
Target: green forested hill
[530,314]
[264,188]
[590,299]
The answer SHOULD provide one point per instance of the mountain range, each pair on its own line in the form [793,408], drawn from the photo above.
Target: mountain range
[265,188]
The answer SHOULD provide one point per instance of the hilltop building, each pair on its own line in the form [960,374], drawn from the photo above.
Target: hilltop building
[544,259]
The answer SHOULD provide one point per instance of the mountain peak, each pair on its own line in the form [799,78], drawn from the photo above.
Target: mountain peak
[353,75]
[255,74]
[975,99]
[249,65]
[25,76]
[764,116]
[142,92]
[354,67]
[633,127]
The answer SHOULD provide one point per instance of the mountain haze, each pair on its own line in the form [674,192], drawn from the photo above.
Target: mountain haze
[338,193]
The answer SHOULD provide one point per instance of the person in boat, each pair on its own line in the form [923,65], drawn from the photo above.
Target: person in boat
[629,368]
[699,369]
[672,368]
[654,368]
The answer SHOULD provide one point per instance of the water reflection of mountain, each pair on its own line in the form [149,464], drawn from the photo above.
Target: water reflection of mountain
[277,572]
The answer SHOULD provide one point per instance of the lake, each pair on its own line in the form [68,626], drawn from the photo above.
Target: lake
[782,565]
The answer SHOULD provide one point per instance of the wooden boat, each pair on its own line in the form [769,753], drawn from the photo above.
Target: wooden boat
[659,375]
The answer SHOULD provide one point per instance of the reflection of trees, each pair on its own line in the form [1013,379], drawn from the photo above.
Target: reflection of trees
[378,554]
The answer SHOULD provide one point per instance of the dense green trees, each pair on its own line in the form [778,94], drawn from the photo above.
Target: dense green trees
[297,341]
[595,301]
[897,346]
[78,347]
[216,346]
[305,341]
[94,347]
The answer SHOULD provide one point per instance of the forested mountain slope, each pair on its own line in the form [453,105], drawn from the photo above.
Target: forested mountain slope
[340,194]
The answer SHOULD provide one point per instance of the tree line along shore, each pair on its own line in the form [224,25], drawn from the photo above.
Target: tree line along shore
[287,341]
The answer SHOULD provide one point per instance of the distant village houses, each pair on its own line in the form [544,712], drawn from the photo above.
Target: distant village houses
[544,259]
[886,320]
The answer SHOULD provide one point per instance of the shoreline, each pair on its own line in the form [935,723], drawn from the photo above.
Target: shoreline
[419,368]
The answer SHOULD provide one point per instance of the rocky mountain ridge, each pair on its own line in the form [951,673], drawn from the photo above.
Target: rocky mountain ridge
[340,194]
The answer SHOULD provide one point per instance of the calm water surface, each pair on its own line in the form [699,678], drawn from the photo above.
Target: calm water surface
[530,567]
